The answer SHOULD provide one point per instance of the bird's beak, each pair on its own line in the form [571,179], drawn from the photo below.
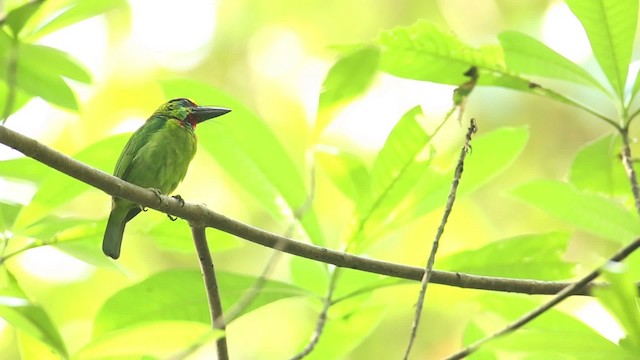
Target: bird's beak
[202,113]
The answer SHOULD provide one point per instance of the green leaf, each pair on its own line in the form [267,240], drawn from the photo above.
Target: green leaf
[24,169]
[349,77]
[524,54]
[158,339]
[17,310]
[597,167]
[611,28]
[473,333]
[589,212]
[74,12]
[168,235]
[491,154]
[17,17]
[58,188]
[53,61]
[535,256]
[156,299]
[347,172]
[400,151]
[396,169]
[50,87]
[8,214]
[250,154]
[620,299]
[310,275]
[424,52]
[553,333]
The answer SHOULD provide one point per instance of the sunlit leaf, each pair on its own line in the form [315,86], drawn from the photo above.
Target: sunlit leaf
[347,172]
[590,212]
[611,28]
[250,153]
[553,333]
[310,275]
[473,333]
[536,256]
[8,214]
[74,12]
[37,81]
[17,310]
[620,299]
[597,167]
[527,55]
[156,299]
[158,339]
[53,62]
[17,17]
[349,77]
[24,169]
[491,154]
[169,235]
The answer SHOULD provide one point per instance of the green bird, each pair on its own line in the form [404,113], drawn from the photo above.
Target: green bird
[156,157]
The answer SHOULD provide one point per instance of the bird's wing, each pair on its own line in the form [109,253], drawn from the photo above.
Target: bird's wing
[135,143]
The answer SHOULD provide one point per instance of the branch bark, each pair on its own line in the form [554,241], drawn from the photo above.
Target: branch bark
[199,215]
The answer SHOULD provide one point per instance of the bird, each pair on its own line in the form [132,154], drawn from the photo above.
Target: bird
[156,157]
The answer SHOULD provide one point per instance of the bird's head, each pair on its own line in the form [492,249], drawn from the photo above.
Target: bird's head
[187,112]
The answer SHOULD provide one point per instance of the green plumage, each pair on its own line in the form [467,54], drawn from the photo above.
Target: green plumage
[156,156]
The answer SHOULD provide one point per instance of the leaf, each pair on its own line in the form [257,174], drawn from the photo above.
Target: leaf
[347,172]
[524,54]
[53,61]
[17,310]
[251,155]
[156,299]
[74,12]
[588,212]
[597,167]
[553,333]
[611,27]
[491,154]
[620,299]
[25,169]
[158,339]
[17,17]
[423,52]
[535,256]
[37,81]
[169,235]
[349,77]
[473,333]
[8,214]
[58,188]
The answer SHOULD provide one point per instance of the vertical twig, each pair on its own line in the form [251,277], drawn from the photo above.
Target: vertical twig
[628,167]
[434,248]
[560,296]
[322,319]
[211,285]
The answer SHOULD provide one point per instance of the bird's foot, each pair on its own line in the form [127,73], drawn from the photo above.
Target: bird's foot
[158,194]
[180,199]
[171,217]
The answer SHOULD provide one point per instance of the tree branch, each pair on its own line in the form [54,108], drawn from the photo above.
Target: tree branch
[211,286]
[199,215]
[565,293]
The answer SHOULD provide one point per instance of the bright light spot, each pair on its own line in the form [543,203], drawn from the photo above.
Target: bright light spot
[173,34]
[128,125]
[275,52]
[50,264]
[381,108]
[86,41]
[562,32]
[13,301]
[34,120]
[634,68]
[16,192]
[599,319]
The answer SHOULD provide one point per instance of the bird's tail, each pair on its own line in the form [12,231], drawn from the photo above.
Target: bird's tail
[113,234]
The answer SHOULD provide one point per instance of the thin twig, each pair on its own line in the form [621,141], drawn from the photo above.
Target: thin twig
[12,75]
[566,292]
[211,285]
[466,148]
[198,214]
[628,167]
[322,319]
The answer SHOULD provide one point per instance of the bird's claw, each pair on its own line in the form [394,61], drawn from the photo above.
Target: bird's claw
[172,218]
[158,194]
[180,200]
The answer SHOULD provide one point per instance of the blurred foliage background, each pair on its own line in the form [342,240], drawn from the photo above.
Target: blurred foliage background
[272,57]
